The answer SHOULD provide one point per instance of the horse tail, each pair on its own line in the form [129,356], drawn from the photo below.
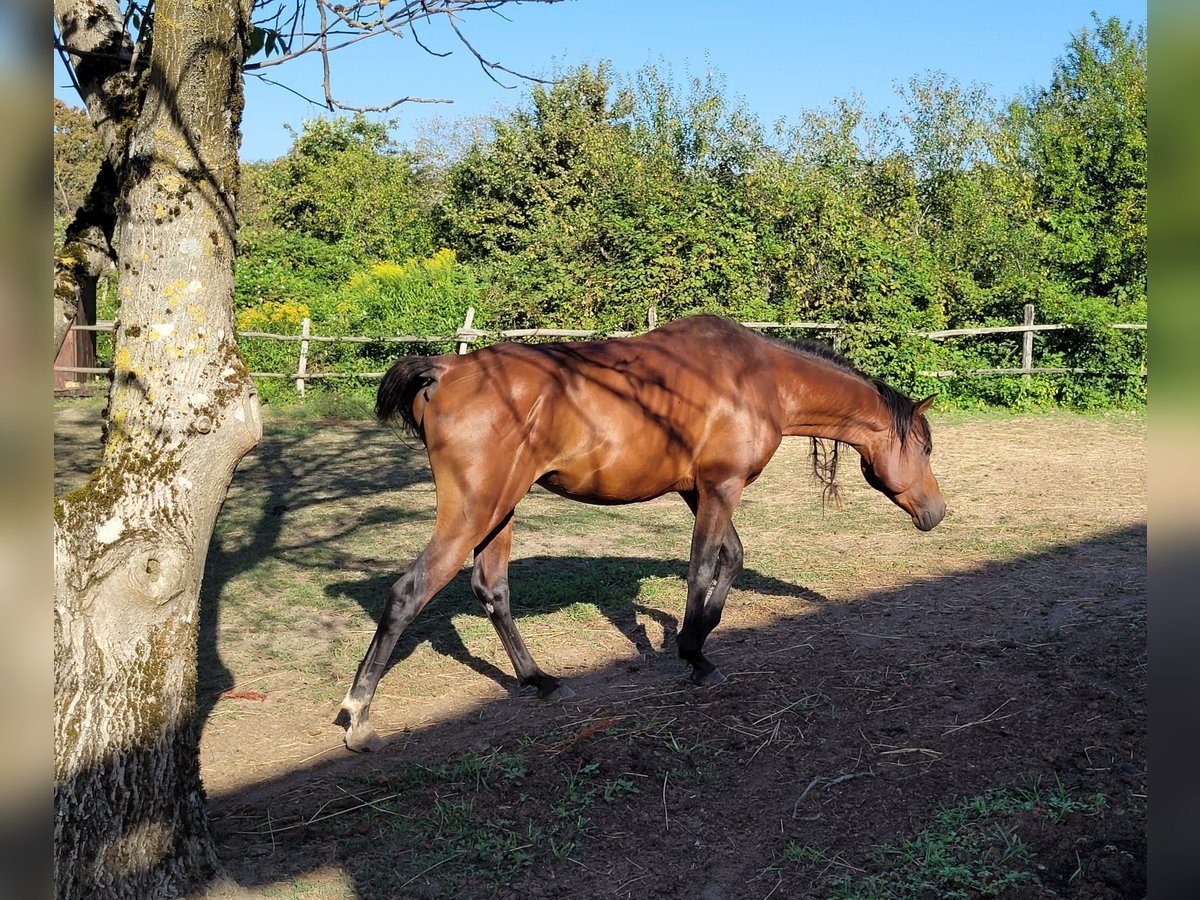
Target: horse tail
[404,381]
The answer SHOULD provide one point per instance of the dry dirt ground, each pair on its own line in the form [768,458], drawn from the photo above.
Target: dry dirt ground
[959,713]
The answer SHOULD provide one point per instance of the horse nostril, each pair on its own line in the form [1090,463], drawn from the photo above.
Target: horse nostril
[928,519]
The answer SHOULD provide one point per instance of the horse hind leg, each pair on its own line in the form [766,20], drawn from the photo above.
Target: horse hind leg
[489,582]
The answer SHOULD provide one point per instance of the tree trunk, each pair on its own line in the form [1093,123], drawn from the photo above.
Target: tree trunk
[129,546]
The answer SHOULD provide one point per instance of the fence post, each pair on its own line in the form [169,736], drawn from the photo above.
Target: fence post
[302,367]
[652,314]
[465,339]
[1027,344]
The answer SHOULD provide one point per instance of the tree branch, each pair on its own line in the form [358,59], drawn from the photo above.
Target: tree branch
[87,253]
[350,21]
[108,68]
[489,65]
[92,34]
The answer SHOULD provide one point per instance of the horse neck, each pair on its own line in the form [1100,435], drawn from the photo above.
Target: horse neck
[818,398]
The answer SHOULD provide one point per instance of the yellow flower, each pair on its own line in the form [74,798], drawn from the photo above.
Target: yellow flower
[273,313]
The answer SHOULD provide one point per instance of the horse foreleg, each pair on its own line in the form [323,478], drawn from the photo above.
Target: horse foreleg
[713,538]
[489,581]
[428,574]
[731,564]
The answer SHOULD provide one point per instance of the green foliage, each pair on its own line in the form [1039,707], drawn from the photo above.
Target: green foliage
[281,276]
[417,297]
[277,265]
[77,157]
[1086,136]
[344,184]
[604,203]
[599,203]
[420,297]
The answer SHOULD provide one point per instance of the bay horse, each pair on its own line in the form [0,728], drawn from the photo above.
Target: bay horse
[696,407]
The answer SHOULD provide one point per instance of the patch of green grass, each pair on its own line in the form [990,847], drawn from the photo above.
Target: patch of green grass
[618,788]
[661,592]
[1059,801]
[686,747]
[801,855]
[583,613]
[472,627]
[443,820]
[336,885]
[970,849]
[468,820]
[355,405]
[495,766]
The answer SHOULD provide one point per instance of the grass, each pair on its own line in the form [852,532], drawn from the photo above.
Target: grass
[972,848]
[473,823]
[469,821]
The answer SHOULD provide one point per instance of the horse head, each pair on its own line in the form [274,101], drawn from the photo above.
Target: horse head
[898,467]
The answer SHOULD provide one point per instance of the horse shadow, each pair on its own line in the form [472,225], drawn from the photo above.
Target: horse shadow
[547,584]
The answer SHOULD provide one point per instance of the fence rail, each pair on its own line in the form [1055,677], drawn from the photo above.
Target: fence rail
[466,335]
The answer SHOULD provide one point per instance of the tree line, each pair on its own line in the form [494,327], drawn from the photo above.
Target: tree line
[602,200]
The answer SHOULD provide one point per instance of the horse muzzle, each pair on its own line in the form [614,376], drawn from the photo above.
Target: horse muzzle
[927,519]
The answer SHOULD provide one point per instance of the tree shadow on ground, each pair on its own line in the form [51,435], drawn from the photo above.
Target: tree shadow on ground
[283,470]
[888,708]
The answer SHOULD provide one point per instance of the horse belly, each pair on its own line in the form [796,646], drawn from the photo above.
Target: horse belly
[607,477]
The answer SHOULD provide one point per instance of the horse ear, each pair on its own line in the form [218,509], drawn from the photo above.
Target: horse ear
[924,405]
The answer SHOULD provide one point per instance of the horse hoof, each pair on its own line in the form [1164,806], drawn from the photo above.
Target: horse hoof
[562,692]
[364,740]
[712,679]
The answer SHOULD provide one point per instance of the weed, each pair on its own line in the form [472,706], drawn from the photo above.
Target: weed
[686,747]
[483,769]
[620,787]
[1045,634]
[799,854]
[1059,802]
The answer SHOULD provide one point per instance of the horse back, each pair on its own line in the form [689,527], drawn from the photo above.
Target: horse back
[612,421]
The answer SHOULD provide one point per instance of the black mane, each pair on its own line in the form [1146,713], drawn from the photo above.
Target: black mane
[901,407]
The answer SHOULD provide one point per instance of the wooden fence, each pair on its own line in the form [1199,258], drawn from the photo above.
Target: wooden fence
[466,335]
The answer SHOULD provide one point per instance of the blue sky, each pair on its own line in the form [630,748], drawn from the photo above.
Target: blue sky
[778,58]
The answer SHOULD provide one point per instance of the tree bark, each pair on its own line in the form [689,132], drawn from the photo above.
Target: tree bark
[130,545]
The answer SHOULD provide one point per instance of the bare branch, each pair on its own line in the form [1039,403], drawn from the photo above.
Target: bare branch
[61,49]
[342,25]
[144,33]
[291,90]
[324,45]
[413,28]
[391,105]
[489,65]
